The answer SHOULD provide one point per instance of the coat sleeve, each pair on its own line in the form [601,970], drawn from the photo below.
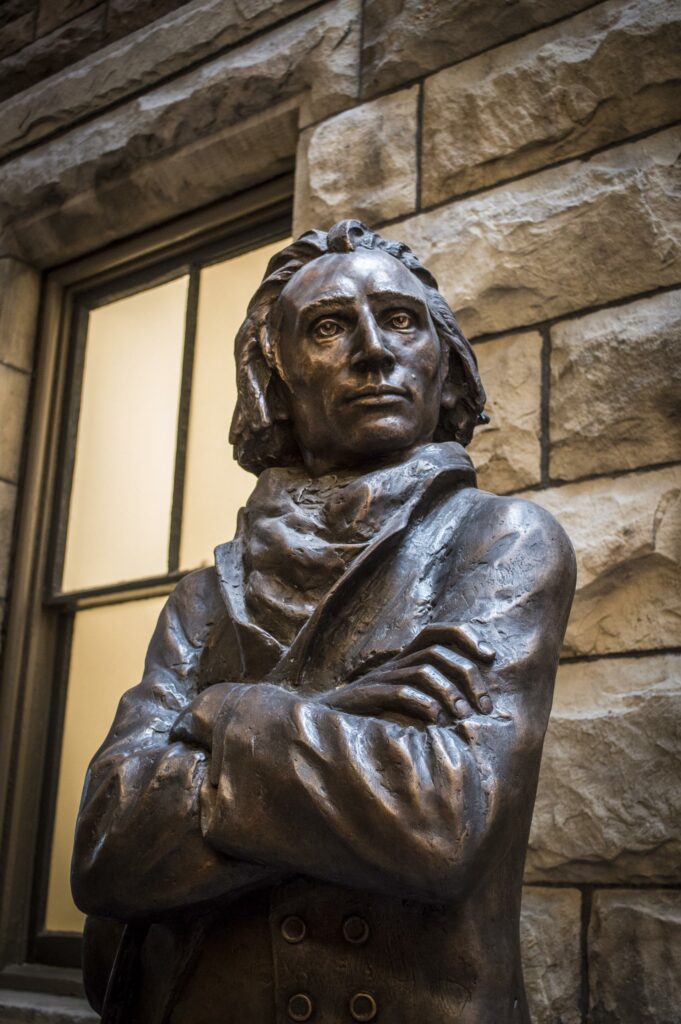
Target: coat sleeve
[403,808]
[139,850]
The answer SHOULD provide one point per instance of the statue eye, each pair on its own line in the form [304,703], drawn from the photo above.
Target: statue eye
[401,320]
[325,329]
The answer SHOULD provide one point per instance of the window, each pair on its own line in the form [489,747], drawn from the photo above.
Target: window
[140,477]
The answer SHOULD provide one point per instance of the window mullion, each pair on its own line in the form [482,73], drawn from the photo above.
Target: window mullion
[183,420]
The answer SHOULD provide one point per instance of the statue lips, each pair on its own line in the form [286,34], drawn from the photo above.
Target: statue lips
[379,394]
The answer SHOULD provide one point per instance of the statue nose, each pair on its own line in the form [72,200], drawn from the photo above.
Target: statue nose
[370,348]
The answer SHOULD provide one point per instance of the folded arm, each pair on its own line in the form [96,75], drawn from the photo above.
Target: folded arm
[139,848]
[374,802]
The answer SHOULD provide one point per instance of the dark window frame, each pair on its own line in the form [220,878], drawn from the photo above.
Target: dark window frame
[40,614]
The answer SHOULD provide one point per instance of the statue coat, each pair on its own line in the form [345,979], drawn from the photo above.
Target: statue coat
[318,853]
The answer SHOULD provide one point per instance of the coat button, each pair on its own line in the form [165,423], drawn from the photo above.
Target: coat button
[363,1007]
[355,930]
[293,929]
[300,1007]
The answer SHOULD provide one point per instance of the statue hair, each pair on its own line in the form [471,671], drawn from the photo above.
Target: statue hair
[261,431]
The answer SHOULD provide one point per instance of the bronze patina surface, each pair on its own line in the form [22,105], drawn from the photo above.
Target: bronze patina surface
[316,804]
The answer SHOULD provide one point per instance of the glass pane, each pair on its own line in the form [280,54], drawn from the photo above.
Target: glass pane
[119,519]
[107,658]
[215,486]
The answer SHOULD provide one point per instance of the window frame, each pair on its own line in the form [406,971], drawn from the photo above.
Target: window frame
[40,616]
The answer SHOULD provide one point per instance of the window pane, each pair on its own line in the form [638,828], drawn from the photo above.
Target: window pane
[215,486]
[119,519]
[107,658]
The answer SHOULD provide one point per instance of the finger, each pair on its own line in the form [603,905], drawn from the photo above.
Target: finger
[189,728]
[434,683]
[377,698]
[460,635]
[458,669]
[181,729]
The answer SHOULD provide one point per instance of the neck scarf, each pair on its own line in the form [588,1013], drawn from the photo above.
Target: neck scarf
[300,533]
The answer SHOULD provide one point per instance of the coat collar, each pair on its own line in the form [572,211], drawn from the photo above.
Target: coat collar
[445,467]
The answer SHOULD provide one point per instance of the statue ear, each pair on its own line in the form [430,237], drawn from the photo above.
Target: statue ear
[450,393]
[278,399]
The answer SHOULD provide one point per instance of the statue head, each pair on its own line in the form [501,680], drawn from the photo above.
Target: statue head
[348,354]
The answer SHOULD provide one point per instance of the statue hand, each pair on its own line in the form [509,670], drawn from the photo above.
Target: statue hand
[437,676]
[195,723]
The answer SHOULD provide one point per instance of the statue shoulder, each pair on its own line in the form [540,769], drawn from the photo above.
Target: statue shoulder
[200,586]
[496,520]
[189,612]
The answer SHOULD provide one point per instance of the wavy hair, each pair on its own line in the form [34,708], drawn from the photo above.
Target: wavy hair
[261,431]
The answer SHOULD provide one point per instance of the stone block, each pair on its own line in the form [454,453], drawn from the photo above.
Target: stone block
[634,943]
[627,535]
[507,452]
[12,9]
[41,1008]
[604,75]
[19,298]
[550,931]
[15,34]
[128,15]
[360,163]
[405,39]
[14,386]
[608,806]
[192,34]
[49,54]
[616,388]
[53,13]
[224,127]
[579,235]
[8,494]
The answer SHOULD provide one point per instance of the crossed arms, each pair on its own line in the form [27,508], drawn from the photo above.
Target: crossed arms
[404,779]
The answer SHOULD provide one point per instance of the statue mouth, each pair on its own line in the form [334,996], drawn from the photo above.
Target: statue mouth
[381,394]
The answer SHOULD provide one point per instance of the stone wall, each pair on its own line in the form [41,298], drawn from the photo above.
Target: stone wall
[529,153]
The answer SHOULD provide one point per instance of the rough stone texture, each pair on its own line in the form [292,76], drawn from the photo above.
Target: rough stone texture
[127,15]
[603,76]
[558,241]
[634,943]
[616,388]
[53,13]
[19,298]
[15,34]
[49,54]
[609,804]
[368,153]
[404,39]
[550,926]
[39,1008]
[194,33]
[627,535]
[13,401]
[507,452]
[8,494]
[11,9]
[229,125]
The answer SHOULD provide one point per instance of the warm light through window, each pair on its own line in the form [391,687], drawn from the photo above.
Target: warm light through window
[124,484]
[119,517]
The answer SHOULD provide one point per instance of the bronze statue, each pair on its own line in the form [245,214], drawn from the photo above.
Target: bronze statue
[315,805]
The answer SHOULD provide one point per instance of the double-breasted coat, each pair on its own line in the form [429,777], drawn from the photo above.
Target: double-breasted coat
[322,865]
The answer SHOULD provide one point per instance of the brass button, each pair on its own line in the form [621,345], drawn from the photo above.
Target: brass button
[355,930]
[293,929]
[300,1007]
[363,1007]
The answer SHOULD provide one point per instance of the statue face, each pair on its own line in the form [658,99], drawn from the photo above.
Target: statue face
[360,358]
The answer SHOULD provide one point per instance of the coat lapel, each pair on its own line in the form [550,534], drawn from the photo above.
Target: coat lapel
[452,470]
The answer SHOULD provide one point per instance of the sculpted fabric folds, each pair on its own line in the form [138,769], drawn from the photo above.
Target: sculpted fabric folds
[315,806]
[370,803]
